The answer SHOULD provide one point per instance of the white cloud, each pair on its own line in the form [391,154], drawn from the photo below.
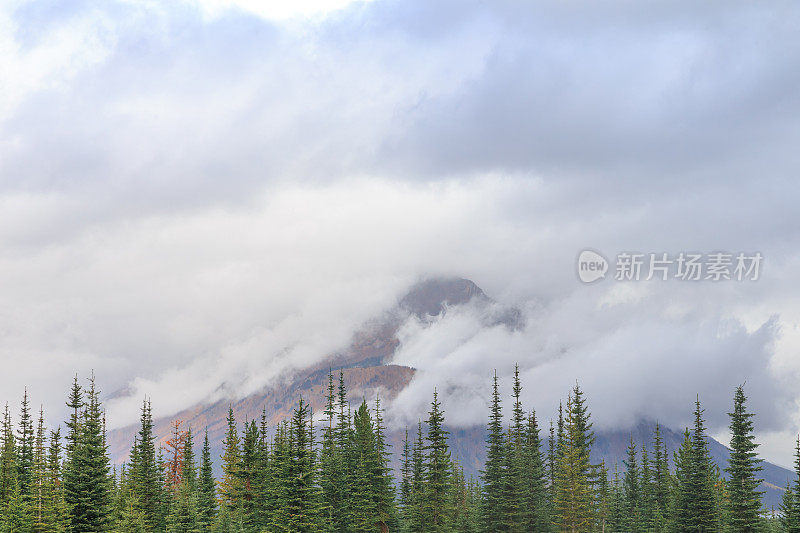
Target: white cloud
[205,193]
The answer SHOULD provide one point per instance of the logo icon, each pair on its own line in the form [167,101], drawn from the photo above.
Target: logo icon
[591,266]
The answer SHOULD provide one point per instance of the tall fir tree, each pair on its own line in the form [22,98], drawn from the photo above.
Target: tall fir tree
[89,498]
[744,498]
[575,493]
[494,504]
[231,463]
[631,490]
[144,472]
[206,488]
[437,470]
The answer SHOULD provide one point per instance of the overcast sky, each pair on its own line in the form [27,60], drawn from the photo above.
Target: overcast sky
[198,197]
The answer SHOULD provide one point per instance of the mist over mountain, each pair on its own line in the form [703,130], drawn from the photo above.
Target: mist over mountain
[369,371]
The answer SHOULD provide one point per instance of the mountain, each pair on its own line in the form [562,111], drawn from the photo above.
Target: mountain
[367,371]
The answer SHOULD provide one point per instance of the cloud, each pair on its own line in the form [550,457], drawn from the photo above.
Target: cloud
[634,359]
[198,197]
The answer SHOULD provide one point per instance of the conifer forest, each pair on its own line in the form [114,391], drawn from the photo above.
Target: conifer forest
[333,475]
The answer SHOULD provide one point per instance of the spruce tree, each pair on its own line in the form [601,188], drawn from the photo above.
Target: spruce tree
[494,470]
[206,491]
[382,474]
[231,463]
[416,515]
[144,471]
[8,460]
[437,470]
[631,490]
[574,496]
[744,498]
[536,516]
[25,450]
[302,495]
[661,476]
[89,498]
[363,497]
[703,511]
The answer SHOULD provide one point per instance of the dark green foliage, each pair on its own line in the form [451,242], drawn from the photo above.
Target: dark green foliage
[89,495]
[345,485]
[437,470]
[493,506]
[144,472]
[744,499]
[206,488]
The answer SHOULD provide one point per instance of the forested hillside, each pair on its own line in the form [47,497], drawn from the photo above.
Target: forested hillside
[336,474]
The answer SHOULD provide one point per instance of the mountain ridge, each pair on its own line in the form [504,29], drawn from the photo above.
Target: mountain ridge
[367,370]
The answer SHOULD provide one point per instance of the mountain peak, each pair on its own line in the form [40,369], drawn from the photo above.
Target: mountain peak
[430,296]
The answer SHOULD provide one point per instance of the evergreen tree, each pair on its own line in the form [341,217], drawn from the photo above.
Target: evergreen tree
[25,450]
[744,498]
[229,485]
[381,475]
[206,492]
[189,462]
[416,515]
[703,512]
[437,470]
[302,495]
[536,516]
[89,497]
[363,497]
[331,473]
[574,495]
[144,472]
[8,460]
[56,509]
[631,491]
[405,479]
[494,472]
[661,476]
[183,516]
[40,496]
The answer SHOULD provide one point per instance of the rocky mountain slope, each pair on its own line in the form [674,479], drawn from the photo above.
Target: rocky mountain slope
[367,374]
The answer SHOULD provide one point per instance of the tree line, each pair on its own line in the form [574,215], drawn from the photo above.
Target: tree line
[336,477]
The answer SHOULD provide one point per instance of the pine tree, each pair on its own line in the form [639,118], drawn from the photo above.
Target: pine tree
[381,475]
[646,493]
[363,497]
[790,506]
[536,517]
[416,515]
[25,450]
[89,498]
[405,479]
[56,509]
[144,472]
[494,473]
[206,493]
[437,470]
[516,513]
[661,476]
[247,472]
[8,460]
[703,512]
[744,500]
[229,485]
[574,495]
[631,491]
[189,462]
[331,472]
[183,516]
[302,495]
[40,497]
